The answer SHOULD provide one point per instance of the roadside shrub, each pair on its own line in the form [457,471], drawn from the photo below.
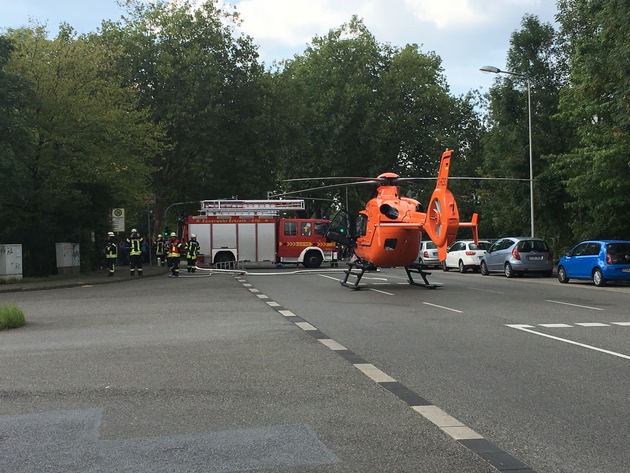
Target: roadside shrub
[11,316]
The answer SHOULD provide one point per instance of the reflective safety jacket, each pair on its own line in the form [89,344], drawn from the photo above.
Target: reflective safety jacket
[174,248]
[111,250]
[192,249]
[160,247]
[135,244]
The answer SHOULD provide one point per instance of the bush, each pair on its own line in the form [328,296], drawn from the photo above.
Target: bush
[11,316]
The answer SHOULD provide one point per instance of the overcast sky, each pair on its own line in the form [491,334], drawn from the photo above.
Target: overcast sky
[466,34]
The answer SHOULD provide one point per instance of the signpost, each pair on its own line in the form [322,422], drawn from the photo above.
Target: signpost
[118,220]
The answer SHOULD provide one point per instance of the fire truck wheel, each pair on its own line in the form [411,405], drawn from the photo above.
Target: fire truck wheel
[312,259]
[223,260]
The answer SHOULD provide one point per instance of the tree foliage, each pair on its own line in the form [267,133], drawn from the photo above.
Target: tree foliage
[596,171]
[204,86]
[171,105]
[83,144]
[533,56]
[355,107]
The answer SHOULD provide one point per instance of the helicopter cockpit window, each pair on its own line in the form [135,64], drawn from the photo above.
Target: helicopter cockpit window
[305,229]
[290,228]
[361,225]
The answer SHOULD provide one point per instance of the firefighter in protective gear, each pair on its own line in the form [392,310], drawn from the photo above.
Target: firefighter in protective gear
[192,251]
[174,248]
[160,249]
[134,242]
[111,253]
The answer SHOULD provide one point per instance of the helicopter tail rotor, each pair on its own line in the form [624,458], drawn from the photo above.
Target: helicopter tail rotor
[442,220]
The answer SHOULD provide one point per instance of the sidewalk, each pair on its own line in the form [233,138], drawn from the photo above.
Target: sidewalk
[95,277]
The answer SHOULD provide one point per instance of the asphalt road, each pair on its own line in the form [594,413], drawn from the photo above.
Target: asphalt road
[201,374]
[282,371]
[538,368]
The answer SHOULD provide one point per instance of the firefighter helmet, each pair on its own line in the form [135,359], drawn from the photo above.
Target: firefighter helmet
[173,234]
[110,234]
[133,230]
[193,236]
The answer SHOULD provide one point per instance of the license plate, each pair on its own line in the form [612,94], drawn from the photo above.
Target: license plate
[625,270]
[535,258]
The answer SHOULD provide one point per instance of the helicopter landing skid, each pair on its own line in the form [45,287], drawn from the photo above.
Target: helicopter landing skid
[356,268]
[423,274]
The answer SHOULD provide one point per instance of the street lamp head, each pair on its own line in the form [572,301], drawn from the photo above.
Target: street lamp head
[490,69]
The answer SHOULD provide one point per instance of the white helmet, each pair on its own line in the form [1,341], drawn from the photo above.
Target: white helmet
[173,234]
[193,236]
[133,230]
[110,234]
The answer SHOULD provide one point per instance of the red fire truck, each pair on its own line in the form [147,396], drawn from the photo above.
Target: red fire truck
[230,231]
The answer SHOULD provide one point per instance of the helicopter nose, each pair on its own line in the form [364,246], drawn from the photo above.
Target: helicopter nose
[389,211]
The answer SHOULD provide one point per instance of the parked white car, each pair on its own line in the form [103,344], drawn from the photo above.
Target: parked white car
[465,255]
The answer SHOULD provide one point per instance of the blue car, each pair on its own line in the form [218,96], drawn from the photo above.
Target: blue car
[596,260]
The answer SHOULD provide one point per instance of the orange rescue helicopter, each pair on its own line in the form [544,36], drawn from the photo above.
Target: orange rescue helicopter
[387,233]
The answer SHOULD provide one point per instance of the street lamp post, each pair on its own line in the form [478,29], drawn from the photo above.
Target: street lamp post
[496,70]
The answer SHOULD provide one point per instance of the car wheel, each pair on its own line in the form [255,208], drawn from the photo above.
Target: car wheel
[462,268]
[484,268]
[598,278]
[562,275]
[444,267]
[509,272]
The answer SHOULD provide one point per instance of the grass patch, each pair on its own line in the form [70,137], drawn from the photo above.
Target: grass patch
[11,316]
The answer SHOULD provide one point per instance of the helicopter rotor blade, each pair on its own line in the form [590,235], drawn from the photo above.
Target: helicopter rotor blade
[357,181]
[331,186]
[352,179]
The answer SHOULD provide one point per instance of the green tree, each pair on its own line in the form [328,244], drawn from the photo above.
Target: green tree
[205,87]
[355,107]
[88,145]
[15,140]
[534,55]
[596,171]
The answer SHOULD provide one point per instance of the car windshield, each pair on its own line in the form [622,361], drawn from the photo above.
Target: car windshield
[532,245]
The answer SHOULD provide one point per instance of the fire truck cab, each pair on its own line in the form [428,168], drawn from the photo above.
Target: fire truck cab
[243,231]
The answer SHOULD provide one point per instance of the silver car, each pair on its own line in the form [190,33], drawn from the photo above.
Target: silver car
[428,254]
[517,255]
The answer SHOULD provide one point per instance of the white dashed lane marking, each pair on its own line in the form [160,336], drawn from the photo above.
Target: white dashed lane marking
[442,307]
[574,305]
[448,424]
[374,373]
[333,345]
[576,324]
